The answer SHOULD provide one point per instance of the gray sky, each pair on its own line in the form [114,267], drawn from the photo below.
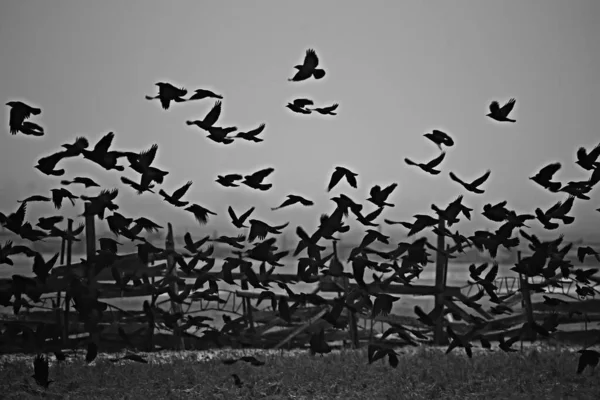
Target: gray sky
[397,68]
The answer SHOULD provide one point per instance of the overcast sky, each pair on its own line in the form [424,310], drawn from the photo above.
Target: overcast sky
[398,69]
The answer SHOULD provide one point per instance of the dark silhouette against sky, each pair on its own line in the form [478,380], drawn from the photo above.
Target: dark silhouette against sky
[397,70]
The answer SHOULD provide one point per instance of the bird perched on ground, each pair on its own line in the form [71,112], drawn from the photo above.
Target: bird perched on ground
[338,174]
[589,358]
[472,187]
[308,68]
[200,94]
[19,112]
[327,110]
[251,135]
[430,166]
[440,138]
[501,114]
[41,371]
[168,93]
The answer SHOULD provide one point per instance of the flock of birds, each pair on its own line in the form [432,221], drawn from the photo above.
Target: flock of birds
[401,263]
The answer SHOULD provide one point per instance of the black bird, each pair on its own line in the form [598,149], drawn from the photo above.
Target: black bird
[260,229]
[255,179]
[298,109]
[501,114]
[200,94]
[47,165]
[75,149]
[238,222]
[440,138]
[430,166]
[175,198]
[87,182]
[378,196]
[168,93]
[329,110]
[251,135]
[31,129]
[472,187]
[59,194]
[200,213]
[302,103]
[41,371]
[338,174]
[588,161]
[294,199]
[145,184]
[102,156]
[228,180]
[209,119]
[19,112]
[544,177]
[587,358]
[35,197]
[308,68]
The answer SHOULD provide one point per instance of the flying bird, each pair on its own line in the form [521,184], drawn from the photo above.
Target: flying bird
[200,94]
[228,180]
[544,177]
[501,114]
[87,182]
[298,109]
[251,135]
[330,110]
[19,112]
[294,199]
[430,166]
[472,187]
[378,196]
[175,198]
[238,222]
[168,93]
[308,68]
[255,179]
[200,213]
[338,174]
[440,138]
[588,161]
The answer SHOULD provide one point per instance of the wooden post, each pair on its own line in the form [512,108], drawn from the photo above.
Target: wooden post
[530,334]
[59,315]
[90,251]
[441,264]
[69,250]
[353,329]
[172,270]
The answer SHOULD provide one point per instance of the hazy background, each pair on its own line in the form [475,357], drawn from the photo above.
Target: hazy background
[398,69]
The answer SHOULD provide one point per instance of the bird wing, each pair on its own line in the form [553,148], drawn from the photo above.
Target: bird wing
[335,178]
[213,115]
[256,131]
[245,215]
[507,108]
[104,144]
[310,60]
[179,193]
[549,170]
[482,178]
[456,178]
[262,174]
[436,161]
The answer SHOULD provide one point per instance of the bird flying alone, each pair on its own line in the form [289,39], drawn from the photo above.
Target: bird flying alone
[168,93]
[501,114]
[19,112]
[308,68]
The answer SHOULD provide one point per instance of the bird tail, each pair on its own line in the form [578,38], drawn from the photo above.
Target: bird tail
[554,186]
[36,111]
[319,73]
[567,220]
[511,120]
[66,183]
[189,123]
[149,97]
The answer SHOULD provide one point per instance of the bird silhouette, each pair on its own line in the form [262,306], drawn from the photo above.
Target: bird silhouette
[229,180]
[200,213]
[430,166]
[298,109]
[378,196]
[210,118]
[168,93]
[440,138]
[544,177]
[251,135]
[87,182]
[501,114]
[175,198]
[41,371]
[19,112]
[308,68]
[587,358]
[200,94]
[255,179]
[294,199]
[472,187]
[329,110]
[588,161]
[238,222]
[338,174]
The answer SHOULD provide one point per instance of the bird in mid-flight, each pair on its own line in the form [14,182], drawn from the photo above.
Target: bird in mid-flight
[501,114]
[308,68]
